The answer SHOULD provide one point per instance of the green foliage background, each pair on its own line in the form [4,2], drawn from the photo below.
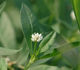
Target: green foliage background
[53,15]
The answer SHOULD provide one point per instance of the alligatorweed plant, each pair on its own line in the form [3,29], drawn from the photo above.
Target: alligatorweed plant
[40,47]
[31,30]
[41,42]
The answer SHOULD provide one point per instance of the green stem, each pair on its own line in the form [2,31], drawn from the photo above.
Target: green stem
[27,66]
[33,57]
[35,47]
[30,62]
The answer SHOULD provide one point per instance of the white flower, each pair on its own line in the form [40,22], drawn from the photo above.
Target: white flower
[36,37]
[73,15]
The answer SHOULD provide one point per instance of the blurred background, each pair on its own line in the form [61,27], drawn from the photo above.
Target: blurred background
[56,14]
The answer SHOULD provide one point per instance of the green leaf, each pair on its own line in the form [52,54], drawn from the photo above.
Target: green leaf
[46,67]
[3,64]
[76,7]
[72,56]
[6,51]
[29,24]
[64,48]
[48,51]
[40,61]
[2,6]
[26,23]
[7,34]
[47,42]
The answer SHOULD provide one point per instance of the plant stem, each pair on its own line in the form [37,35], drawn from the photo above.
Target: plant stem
[27,66]
[35,47]
[30,62]
[33,57]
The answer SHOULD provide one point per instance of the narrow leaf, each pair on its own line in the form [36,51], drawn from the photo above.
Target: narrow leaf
[72,56]
[46,67]
[6,51]
[63,48]
[40,61]
[47,42]
[76,7]
[26,25]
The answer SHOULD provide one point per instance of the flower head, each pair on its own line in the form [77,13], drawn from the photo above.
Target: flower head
[73,15]
[36,37]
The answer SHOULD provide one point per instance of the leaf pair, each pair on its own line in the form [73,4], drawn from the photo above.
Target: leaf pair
[30,25]
[28,20]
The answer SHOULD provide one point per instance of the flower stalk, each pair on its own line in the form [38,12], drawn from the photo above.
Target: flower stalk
[36,37]
[35,47]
